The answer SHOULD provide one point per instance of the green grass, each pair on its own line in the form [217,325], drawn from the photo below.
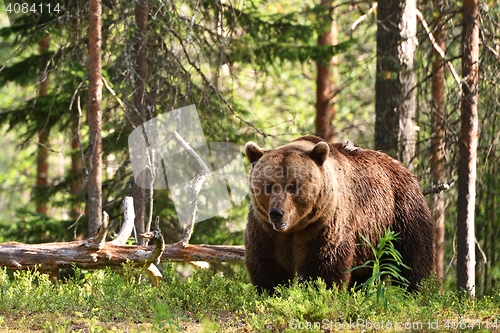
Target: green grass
[105,301]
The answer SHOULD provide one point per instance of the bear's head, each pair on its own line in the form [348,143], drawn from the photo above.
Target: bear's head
[286,183]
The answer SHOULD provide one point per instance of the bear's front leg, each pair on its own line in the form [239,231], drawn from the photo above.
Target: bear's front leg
[331,263]
[266,273]
[264,270]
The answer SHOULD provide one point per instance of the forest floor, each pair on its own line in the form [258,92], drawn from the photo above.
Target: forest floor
[105,301]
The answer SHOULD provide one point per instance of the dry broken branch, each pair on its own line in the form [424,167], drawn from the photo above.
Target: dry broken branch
[439,188]
[420,17]
[159,244]
[364,16]
[192,190]
[99,240]
[113,93]
[128,222]
[154,257]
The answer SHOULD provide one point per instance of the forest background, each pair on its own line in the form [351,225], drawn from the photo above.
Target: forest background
[251,68]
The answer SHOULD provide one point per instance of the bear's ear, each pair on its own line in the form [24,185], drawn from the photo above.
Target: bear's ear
[319,153]
[253,152]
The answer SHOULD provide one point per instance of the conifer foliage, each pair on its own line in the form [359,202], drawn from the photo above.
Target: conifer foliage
[250,68]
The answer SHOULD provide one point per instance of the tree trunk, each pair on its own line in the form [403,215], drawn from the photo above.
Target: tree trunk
[325,110]
[492,259]
[466,258]
[42,171]
[406,52]
[437,139]
[76,170]
[141,68]
[94,153]
[395,79]
[42,164]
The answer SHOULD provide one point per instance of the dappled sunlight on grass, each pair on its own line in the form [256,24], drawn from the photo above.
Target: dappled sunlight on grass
[106,301]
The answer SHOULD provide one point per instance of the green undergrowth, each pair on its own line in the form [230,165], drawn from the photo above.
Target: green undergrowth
[107,301]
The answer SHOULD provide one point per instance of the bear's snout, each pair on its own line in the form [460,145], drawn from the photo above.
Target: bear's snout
[275,215]
[276,218]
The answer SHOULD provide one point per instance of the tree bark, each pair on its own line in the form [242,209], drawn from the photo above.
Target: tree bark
[76,170]
[94,153]
[406,52]
[141,69]
[387,85]
[437,139]
[52,256]
[325,109]
[395,79]
[466,258]
[42,163]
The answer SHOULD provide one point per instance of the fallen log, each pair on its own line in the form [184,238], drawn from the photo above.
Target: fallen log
[50,257]
[96,253]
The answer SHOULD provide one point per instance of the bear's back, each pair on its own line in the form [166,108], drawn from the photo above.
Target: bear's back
[361,192]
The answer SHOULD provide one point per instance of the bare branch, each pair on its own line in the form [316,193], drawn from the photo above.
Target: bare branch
[201,162]
[439,188]
[193,191]
[99,240]
[439,50]
[128,222]
[154,258]
[483,254]
[122,105]
[364,16]
[154,274]
[159,245]
[210,85]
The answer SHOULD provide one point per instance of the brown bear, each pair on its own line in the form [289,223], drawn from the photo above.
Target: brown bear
[311,201]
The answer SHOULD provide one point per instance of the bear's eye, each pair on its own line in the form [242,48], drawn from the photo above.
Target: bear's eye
[269,188]
[291,188]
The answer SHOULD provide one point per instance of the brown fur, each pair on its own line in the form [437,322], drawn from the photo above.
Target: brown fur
[340,192]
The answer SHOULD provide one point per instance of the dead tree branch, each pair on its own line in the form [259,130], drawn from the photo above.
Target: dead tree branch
[192,190]
[364,16]
[99,240]
[420,17]
[154,258]
[128,222]
[439,188]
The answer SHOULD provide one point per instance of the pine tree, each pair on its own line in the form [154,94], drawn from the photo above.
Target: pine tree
[466,259]
[325,109]
[94,202]
[437,136]
[395,81]
[42,171]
